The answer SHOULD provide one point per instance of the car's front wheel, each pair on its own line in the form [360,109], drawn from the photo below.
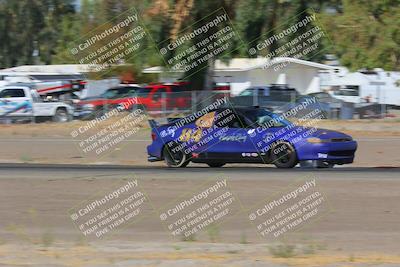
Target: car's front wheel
[283,155]
[175,157]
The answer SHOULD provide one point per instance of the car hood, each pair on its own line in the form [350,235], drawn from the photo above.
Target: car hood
[327,134]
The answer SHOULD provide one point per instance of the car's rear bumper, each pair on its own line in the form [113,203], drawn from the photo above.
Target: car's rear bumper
[154,152]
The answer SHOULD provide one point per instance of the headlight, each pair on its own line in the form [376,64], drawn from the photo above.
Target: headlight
[88,107]
[315,140]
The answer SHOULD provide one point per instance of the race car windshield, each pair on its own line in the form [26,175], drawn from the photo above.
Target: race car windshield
[262,117]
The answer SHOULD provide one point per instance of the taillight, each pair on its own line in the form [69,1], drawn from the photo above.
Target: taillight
[153,136]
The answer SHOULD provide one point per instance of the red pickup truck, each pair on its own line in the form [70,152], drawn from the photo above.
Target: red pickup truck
[157,97]
[161,97]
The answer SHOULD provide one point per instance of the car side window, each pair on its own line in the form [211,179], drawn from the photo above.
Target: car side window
[124,92]
[131,91]
[230,119]
[268,120]
[121,92]
[111,93]
[9,93]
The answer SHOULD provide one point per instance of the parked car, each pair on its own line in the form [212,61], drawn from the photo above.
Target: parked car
[329,106]
[323,97]
[153,97]
[271,96]
[247,135]
[22,102]
[122,95]
[160,97]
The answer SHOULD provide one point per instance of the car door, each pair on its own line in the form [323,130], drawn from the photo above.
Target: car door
[41,108]
[229,138]
[129,99]
[15,102]
[158,99]
[180,97]
[266,129]
[121,97]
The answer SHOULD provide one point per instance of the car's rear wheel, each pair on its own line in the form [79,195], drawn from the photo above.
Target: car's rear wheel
[175,157]
[283,155]
[216,164]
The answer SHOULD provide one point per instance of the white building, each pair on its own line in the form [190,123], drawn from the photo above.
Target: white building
[242,73]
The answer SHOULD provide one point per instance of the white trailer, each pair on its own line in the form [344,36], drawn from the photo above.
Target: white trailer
[45,83]
[376,86]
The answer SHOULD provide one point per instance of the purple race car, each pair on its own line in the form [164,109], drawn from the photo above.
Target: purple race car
[247,135]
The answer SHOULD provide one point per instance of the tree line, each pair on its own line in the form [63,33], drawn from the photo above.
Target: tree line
[362,33]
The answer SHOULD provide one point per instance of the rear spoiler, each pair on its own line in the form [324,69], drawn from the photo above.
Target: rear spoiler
[153,123]
[172,120]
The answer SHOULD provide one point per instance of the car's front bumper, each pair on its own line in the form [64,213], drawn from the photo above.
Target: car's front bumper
[153,159]
[331,152]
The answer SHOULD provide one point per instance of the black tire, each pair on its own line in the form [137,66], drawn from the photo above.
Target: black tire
[283,155]
[61,115]
[175,158]
[215,164]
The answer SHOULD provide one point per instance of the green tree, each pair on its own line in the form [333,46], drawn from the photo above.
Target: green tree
[30,30]
[366,34]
